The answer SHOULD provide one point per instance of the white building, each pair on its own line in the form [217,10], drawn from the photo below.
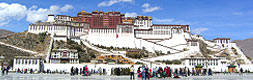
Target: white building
[64,56]
[139,33]
[223,42]
[157,37]
[61,27]
[26,62]
[216,63]
[143,22]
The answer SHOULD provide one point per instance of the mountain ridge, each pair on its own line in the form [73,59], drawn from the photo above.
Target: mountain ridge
[246,46]
[5,33]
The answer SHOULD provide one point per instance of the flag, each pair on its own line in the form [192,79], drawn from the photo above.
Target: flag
[117,35]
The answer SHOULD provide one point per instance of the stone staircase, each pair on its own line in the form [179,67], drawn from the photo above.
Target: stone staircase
[49,50]
[18,48]
[164,46]
[86,43]
[178,45]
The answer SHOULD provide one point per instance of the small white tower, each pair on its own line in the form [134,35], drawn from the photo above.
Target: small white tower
[50,18]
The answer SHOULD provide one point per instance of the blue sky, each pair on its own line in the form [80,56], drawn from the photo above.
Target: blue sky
[210,18]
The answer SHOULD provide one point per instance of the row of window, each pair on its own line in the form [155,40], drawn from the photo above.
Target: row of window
[166,27]
[222,41]
[153,32]
[26,61]
[203,62]
[102,31]
[66,55]
[43,27]
[194,43]
[79,29]
[145,22]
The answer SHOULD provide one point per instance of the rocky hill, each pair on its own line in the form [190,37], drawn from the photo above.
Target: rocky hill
[85,54]
[5,33]
[35,42]
[246,46]
[9,53]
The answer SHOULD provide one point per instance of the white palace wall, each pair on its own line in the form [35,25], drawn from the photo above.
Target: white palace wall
[107,37]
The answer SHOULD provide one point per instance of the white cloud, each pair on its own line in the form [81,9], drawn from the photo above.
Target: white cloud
[199,30]
[66,7]
[145,5]
[170,21]
[163,20]
[16,11]
[146,8]
[251,33]
[237,13]
[131,14]
[111,2]
[13,11]
[34,13]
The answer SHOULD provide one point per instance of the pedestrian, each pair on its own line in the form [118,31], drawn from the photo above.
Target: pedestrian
[149,71]
[209,72]
[112,71]
[132,72]
[139,72]
[241,71]
[193,72]
[7,70]
[188,72]
[143,73]
[76,71]
[86,70]
[161,72]
[154,72]
[169,72]
[71,71]
[81,71]
[31,71]
[2,68]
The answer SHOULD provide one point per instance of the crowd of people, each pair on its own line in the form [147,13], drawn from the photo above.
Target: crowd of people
[82,71]
[5,70]
[144,72]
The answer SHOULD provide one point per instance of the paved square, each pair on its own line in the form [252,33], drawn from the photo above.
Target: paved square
[13,76]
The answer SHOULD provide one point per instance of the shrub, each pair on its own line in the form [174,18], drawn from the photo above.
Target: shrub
[42,36]
[138,63]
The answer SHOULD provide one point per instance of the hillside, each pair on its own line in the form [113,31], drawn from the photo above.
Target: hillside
[34,42]
[85,54]
[5,33]
[246,46]
[9,53]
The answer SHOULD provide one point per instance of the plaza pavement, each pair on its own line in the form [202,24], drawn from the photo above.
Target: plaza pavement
[14,76]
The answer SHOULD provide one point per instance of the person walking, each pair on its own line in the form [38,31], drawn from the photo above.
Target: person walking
[132,72]
[86,70]
[143,73]
[72,71]
[154,71]
[7,70]
[76,71]
[241,71]
[2,68]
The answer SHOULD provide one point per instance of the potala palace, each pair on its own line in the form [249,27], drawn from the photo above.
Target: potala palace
[113,29]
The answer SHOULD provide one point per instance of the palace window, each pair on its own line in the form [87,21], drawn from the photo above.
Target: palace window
[25,61]
[17,61]
[35,61]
